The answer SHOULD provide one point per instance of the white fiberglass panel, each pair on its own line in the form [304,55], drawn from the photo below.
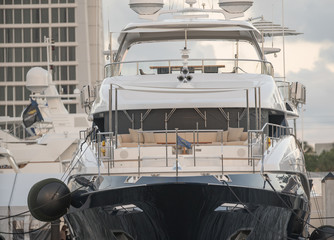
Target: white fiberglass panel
[285,156]
[205,90]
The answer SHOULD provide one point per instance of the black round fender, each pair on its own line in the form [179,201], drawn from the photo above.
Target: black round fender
[323,232]
[49,199]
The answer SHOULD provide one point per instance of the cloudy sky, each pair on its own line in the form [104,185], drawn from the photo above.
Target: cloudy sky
[309,57]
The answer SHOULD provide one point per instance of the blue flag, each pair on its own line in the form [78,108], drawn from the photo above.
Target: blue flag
[31,114]
[184,143]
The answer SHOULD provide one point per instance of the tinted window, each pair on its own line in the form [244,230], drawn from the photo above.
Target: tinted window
[62,17]
[63,72]
[26,15]
[63,35]
[18,35]
[9,74]
[44,15]
[18,74]
[9,35]
[2,54]
[55,35]
[9,55]
[9,16]
[63,53]
[36,54]
[54,14]
[18,15]
[27,54]
[2,94]
[71,53]
[26,35]
[18,54]
[72,73]
[35,35]
[71,15]
[1,16]
[71,34]
[10,108]
[2,74]
[35,15]
[2,35]
[44,57]
[19,93]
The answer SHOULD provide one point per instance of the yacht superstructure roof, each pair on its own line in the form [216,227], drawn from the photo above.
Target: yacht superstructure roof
[220,90]
[196,29]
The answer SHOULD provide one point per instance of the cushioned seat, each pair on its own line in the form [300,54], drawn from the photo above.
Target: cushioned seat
[234,136]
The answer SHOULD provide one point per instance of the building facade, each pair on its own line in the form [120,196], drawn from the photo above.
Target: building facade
[320,147]
[76,28]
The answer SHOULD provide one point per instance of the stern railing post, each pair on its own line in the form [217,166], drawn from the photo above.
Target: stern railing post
[222,158]
[138,138]
[166,145]
[116,117]
[194,144]
[262,160]
[98,153]
[177,152]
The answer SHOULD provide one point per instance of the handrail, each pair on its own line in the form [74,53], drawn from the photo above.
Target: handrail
[280,131]
[191,59]
[268,131]
[109,72]
[177,131]
[103,150]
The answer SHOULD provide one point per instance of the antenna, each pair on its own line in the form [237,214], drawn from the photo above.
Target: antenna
[185,77]
[283,36]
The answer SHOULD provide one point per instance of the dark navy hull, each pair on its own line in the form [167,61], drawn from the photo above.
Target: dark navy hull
[187,210]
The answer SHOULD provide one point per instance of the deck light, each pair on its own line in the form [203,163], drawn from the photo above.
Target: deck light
[146,7]
[235,6]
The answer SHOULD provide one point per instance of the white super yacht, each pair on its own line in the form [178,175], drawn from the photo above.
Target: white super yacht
[55,133]
[193,137]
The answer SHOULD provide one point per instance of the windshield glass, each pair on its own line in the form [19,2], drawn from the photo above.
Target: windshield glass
[205,56]
[198,49]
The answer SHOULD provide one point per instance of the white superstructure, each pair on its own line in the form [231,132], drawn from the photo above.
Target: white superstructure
[197,79]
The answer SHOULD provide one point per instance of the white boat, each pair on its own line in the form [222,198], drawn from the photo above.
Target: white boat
[193,140]
[46,153]
[55,136]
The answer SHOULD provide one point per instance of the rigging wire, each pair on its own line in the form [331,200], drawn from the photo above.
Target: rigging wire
[262,224]
[293,212]
[316,202]
[82,153]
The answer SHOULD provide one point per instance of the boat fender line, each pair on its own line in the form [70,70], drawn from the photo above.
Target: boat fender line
[49,199]
[323,232]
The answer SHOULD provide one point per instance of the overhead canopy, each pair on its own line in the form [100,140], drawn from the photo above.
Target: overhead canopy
[196,29]
[216,90]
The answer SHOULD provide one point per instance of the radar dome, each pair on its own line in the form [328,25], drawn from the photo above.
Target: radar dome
[37,79]
[146,7]
[235,6]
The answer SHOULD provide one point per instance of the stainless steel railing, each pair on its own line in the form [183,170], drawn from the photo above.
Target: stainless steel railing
[260,140]
[170,66]
[196,142]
